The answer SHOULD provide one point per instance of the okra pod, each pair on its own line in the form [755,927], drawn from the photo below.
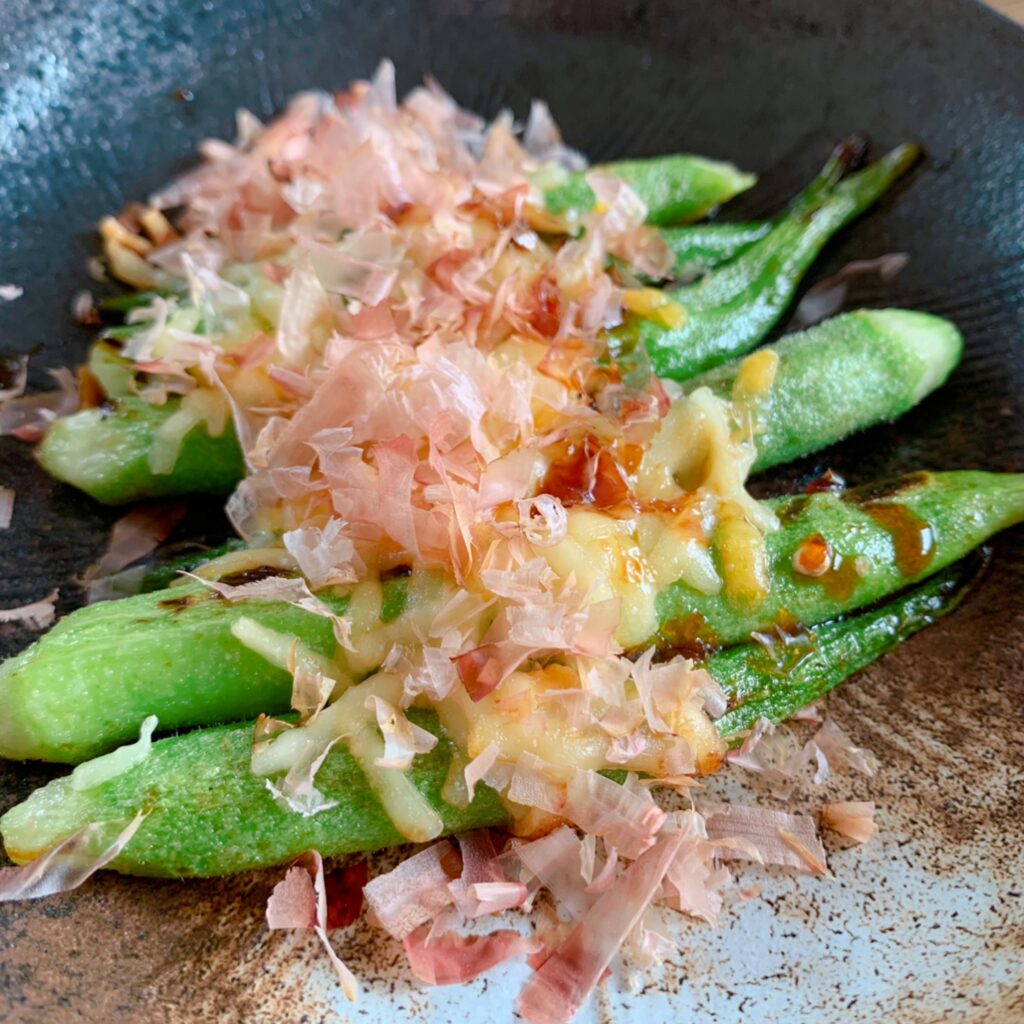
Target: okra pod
[209,815]
[106,453]
[698,248]
[675,188]
[89,683]
[792,670]
[85,686]
[731,310]
[836,378]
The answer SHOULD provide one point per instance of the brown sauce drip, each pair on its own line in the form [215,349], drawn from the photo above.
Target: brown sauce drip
[787,644]
[912,538]
[689,637]
[839,579]
[583,472]
[179,604]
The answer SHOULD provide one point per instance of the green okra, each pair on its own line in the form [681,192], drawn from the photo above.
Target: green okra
[834,553]
[792,670]
[674,188]
[838,377]
[209,815]
[699,248]
[115,373]
[732,309]
[841,376]
[105,452]
[159,577]
[88,684]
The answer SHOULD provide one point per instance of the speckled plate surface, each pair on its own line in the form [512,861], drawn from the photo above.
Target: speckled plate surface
[924,924]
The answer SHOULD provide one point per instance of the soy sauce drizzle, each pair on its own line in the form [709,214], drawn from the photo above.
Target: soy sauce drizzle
[688,636]
[913,539]
[584,472]
[841,578]
[787,644]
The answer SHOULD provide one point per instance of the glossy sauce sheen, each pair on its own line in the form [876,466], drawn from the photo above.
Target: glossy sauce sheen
[689,636]
[583,472]
[840,579]
[913,538]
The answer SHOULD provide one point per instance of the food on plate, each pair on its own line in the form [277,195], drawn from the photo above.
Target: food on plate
[485,417]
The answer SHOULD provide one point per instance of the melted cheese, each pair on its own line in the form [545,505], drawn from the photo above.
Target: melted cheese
[696,449]
[755,375]
[518,719]
[654,304]
[634,559]
[349,719]
[242,561]
[282,649]
[371,639]
[603,554]
[744,558]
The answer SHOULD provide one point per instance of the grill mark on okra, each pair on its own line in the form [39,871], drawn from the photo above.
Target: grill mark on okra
[883,490]
[179,604]
[253,575]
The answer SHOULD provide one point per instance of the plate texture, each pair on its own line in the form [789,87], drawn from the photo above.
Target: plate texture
[102,101]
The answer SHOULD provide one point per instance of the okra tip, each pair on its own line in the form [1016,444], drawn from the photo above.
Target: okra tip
[936,342]
[903,157]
